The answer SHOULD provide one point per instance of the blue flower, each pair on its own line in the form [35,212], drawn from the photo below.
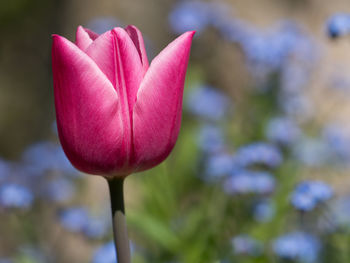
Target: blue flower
[208,103]
[244,182]
[263,211]
[79,220]
[234,30]
[105,254]
[339,142]
[246,245]
[96,227]
[258,153]
[5,169]
[296,106]
[340,214]
[74,219]
[312,152]
[338,25]
[297,246]
[15,196]
[282,130]
[103,24]
[211,139]
[218,165]
[189,15]
[267,51]
[295,77]
[46,156]
[59,190]
[308,194]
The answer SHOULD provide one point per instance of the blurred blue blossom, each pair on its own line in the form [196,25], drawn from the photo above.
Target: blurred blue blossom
[96,227]
[218,165]
[105,254]
[245,182]
[208,103]
[59,190]
[79,220]
[339,214]
[5,169]
[269,51]
[297,246]
[258,153]
[211,139]
[74,219]
[46,156]
[271,48]
[312,152]
[339,81]
[246,245]
[15,196]
[189,15]
[297,106]
[6,260]
[233,29]
[308,194]
[263,211]
[282,130]
[338,25]
[338,140]
[103,24]
[294,77]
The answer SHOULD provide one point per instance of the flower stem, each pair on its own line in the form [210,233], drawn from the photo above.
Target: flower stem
[121,240]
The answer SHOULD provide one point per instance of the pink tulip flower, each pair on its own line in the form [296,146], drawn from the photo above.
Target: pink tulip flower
[116,114]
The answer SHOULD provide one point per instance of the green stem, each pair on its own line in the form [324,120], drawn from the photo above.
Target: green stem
[119,223]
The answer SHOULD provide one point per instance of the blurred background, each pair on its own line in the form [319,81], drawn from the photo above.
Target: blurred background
[260,172]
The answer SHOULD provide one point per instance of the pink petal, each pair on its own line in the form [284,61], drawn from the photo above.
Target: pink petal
[116,55]
[91,33]
[87,112]
[84,37]
[157,111]
[136,36]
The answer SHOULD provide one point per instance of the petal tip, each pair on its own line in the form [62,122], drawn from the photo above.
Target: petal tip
[54,36]
[119,33]
[190,33]
[57,39]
